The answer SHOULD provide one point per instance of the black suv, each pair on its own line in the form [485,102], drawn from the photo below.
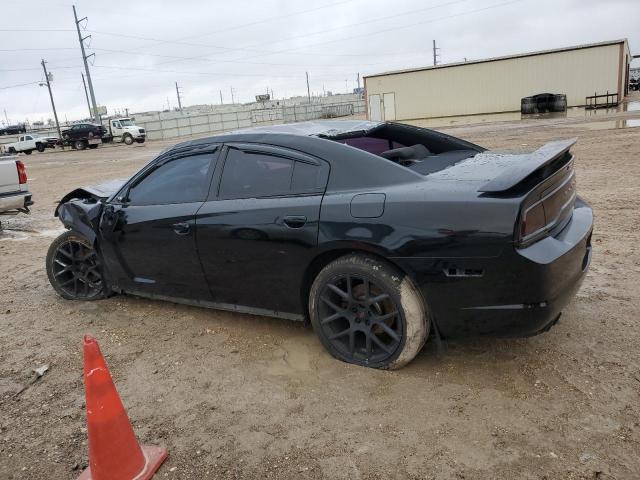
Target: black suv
[83,135]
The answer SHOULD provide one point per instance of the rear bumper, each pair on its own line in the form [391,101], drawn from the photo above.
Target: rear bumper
[520,293]
[15,202]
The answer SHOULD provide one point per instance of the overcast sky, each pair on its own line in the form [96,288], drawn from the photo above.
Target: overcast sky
[142,47]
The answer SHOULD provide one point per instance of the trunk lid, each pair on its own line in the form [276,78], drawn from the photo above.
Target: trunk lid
[542,182]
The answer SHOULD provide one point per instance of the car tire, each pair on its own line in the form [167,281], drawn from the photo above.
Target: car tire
[127,139]
[27,152]
[140,140]
[367,312]
[74,268]
[79,144]
[94,146]
[40,147]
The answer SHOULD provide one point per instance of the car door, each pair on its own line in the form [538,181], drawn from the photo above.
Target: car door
[258,230]
[148,231]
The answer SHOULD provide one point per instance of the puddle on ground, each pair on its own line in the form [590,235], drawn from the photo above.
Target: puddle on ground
[605,124]
[630,106]
[24,234]
[572,112]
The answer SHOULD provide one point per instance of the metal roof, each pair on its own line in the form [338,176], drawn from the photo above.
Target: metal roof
[496,59]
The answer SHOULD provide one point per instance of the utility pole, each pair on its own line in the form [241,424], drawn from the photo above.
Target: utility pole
[5,116]
[221,102]
[86,94]
[232,100]
[308,91]
[81,39]
[53,105]
[358,81]
[178,94]
[435,54]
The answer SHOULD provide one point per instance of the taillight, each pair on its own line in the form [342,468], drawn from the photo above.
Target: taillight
[533,220]
[22,172]
[551,208]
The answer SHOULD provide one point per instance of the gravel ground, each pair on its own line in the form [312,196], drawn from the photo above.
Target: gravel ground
[238,396]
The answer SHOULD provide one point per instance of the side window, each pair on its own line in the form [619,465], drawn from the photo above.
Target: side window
[181,180]
[308,178]
[251,175]
[28,137]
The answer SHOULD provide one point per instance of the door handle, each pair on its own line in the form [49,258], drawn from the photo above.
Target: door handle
[181,228]
[295,221]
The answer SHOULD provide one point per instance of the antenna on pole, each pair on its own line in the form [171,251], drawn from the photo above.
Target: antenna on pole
[81,39]
[308,91]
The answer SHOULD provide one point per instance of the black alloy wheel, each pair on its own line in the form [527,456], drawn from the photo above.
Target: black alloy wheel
[366,311]
[360,319]
[74,268]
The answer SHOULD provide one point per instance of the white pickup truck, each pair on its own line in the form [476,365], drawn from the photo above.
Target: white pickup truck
[124,130]
[28,143]
[14,191]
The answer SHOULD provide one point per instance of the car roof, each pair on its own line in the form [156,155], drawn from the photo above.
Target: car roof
[320,128]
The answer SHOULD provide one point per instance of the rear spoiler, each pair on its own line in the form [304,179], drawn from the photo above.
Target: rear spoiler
[525,165]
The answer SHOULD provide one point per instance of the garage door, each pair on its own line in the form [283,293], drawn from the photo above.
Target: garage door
[375,110]
[389,102]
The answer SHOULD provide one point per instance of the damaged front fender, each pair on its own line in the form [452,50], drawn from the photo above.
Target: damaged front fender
[82,216]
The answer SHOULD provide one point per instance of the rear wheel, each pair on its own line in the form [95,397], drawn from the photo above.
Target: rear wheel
[40,147]
[74,268]
[79,144]
[367,312]
[95,145]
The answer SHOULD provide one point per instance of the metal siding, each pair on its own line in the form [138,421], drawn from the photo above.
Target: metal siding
[498,86]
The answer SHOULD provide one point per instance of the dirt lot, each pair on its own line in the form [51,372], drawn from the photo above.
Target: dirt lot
[237,396]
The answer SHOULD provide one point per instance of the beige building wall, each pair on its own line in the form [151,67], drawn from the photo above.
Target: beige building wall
[498,85]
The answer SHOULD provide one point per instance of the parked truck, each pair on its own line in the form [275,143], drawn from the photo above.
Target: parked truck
[125,131]
[28,143]
[14,190]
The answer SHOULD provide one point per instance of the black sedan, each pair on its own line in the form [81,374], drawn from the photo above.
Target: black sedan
[83,135]
[378,233]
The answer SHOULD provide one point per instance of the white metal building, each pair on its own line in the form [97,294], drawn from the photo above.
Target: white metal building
[498,84]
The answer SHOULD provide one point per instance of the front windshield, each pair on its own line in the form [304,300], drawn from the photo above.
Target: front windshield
[126,122]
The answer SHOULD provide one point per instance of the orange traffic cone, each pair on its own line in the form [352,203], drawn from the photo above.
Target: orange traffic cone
[114,452]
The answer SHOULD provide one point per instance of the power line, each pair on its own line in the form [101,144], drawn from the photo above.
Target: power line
[377,32]
[18,85]
[341,27]
[250,24]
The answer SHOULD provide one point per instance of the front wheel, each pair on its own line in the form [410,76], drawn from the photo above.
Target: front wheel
[74,268]
[140,140]
[27,152]
[127,139]
[367,312]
